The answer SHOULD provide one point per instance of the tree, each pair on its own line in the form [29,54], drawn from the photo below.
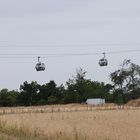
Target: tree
[8,98]
[80,89]
[49,91]
[29,92]
[51,88]
[125,80]
[76,89]
[42,94]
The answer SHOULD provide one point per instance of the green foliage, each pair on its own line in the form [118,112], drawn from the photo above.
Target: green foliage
[28,93]
[42,102]
[126,86]
[80,89]
[8,98]
[52,100]
[126,82]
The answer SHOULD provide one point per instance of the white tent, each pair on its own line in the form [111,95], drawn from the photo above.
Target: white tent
[95,101]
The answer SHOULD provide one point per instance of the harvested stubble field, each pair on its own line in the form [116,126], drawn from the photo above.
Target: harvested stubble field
[70,122]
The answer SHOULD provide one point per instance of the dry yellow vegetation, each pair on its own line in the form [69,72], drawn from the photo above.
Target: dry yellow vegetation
[135,102]
[117,124]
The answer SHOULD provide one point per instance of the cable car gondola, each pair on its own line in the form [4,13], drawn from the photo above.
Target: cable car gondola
[103,61]
[40,66]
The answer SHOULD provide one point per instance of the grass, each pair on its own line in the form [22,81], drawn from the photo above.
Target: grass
[22,133]
[71,125]
[16,132]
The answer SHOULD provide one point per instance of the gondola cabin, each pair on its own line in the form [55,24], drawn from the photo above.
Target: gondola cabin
[103,61]
[40,66]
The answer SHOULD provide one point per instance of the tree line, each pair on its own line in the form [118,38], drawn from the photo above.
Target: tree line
[125,86]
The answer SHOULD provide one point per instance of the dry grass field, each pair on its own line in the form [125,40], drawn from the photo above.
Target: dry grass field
[79,124]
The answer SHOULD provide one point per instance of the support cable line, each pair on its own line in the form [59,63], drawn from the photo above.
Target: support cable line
[41,66]
[68,45]
[47,55]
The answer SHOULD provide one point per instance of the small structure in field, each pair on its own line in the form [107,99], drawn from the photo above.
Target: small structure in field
[95,101]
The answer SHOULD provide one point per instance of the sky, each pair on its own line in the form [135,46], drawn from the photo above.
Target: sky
[61,27]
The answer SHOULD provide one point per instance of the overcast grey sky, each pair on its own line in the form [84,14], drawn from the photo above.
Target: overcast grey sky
[113,25]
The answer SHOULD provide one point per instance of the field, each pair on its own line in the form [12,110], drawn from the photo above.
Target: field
[70,122]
